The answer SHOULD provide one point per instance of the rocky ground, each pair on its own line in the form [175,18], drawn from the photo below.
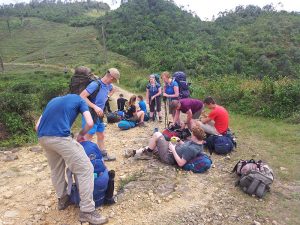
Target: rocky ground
[148,192]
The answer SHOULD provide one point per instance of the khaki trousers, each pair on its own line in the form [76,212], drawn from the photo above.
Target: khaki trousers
[209,128]
[65,151]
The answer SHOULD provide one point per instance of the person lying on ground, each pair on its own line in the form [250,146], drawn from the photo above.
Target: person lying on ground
[132,114]
[217,121]
[179,153]
[191,107]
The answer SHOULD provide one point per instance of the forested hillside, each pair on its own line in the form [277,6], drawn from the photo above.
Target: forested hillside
[249,40]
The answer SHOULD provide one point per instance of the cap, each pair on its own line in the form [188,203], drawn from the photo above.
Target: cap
[114,72]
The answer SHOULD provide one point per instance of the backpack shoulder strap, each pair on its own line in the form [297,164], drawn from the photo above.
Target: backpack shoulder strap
[94,94]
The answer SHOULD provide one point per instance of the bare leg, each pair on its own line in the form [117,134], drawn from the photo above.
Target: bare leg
[100,140]
[141,116]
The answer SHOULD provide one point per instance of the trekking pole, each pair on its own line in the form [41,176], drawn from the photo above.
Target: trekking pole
[166,114]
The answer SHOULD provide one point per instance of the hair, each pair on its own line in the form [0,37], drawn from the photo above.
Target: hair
[166,74]
[121,95]
[174,104]
[209,100]
[140,97]
[198,132]
[132,100]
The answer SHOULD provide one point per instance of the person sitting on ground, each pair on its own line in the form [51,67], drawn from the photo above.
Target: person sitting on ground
[153,97]
[217,120]
[121,101]
[192,108]
[132,114]
[143,107]
[171,90]
[54,135]
[178,154]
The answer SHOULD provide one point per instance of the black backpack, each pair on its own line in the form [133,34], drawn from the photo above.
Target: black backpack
[80,80]
[113,117]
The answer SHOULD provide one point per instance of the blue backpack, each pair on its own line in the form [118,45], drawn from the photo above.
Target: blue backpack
[100,174]
[220,144]
[199,164]
[180,78]
[126,125]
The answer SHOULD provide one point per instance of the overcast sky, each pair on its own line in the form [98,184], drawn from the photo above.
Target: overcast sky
[205,9]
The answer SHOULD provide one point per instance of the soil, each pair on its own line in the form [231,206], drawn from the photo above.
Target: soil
[147,191]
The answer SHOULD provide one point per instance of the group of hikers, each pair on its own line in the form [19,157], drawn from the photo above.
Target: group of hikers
[54,131]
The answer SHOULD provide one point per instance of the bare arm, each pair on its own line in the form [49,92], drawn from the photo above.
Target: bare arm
[180,161]
[89,124]
[147,95]
[205,120]
[176,117]
[84,94]
[189,116]
[175,95]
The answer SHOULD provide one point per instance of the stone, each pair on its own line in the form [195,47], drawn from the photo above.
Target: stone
[9,156]
[11,214]
[8,195]
[256,223]
[227,157]
[283,168]
[274,222]
[36,149]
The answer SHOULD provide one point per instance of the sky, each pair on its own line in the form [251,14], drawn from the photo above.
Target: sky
[205,9]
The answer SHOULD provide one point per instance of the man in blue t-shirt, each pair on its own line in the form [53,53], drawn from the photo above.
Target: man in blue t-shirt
[54,130]
[98,104]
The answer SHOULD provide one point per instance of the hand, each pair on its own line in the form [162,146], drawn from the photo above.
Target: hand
[165,95]
[99,111]
[171,147]
[153,97]
[80,138]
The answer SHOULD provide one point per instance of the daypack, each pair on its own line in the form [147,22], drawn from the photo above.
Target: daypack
[255,177]
[180,78]
[101,178]
[80,80]
[175,130]
[157,77]
[199,164]
[126,125]
[221,144]
[113,117]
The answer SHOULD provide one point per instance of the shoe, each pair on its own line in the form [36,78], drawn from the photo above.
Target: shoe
[129,153]
[64,202]
[92,217]
[107,157]
[160,119]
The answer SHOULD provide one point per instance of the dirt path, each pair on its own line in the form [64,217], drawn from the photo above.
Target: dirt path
[149,192]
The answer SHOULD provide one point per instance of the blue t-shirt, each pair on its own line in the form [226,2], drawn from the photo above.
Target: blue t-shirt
[170,87]
[60,114]
[143,106]
[153,90]
[101,97]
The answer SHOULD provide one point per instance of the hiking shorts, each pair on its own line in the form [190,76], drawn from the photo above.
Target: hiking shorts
[163,151]
[98,126]
[156,102]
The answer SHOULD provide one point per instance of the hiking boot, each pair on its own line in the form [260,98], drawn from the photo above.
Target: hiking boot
[92,217]
[129,153]
[160,119]
[64,202]
[107,157]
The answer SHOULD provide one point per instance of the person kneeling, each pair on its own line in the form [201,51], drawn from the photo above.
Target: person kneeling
[179,153]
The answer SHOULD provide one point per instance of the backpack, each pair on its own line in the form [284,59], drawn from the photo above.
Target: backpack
[175,130]
[255,177]
[180,78]
[221,144]
[199,164]
[157,77]
[80,80]
[126,125]
[101,178]
[113,117]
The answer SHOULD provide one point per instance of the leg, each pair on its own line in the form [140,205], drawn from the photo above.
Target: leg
[209,128]
[152,143]
[141,116]
[100,140]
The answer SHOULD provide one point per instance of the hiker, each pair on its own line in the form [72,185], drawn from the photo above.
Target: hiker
[132,114]
[153,93]
[179,154]
[142,104]
[171,90]
[54,135]
[191,107]
[98,104]
[121,101]
[217,120]
[107,105]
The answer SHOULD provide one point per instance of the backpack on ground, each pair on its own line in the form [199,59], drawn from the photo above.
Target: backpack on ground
[126,125]
[103,180]
[175,130]
[221,144]
[200,164]
[113,117]
[180,78]
[80,80]
[255,177]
